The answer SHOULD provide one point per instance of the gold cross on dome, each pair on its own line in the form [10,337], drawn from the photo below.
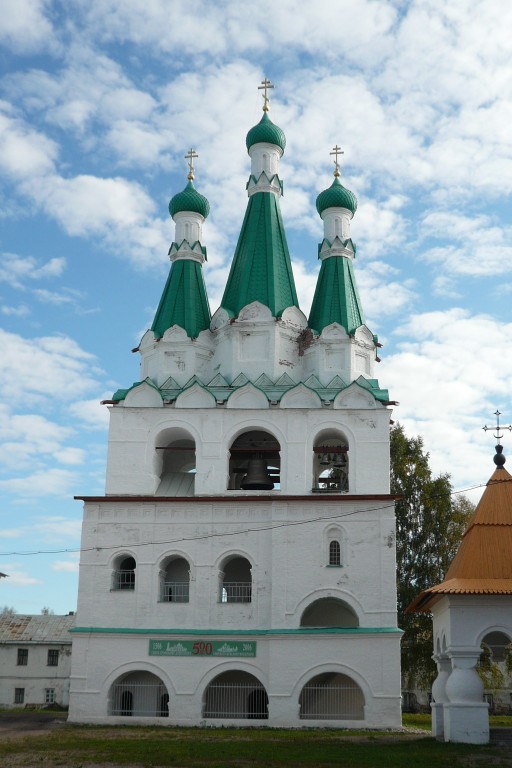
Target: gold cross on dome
[190,156]
[498,427]
[336,151]
[265,86]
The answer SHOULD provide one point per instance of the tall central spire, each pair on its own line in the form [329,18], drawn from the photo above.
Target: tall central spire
[261,269]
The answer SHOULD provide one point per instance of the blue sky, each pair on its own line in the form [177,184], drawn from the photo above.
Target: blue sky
[100,101]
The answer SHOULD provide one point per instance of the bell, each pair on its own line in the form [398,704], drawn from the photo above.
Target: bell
[257,477]
[325,460]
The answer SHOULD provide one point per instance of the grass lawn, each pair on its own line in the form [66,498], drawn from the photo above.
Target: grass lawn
[80,746]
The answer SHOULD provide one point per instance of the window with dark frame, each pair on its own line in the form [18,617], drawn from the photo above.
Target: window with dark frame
[22,657]
[53,658]
[19,695]
[334,553]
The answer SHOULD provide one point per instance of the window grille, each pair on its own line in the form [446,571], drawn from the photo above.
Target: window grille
[22,657]
[19,695]
[334,553]
[236,592]
[328,701]
[124,579]
[49,695]
[53,658]
[245,701]
[175,592]
[139,700]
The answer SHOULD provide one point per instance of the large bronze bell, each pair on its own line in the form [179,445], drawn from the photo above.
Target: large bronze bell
[257,477]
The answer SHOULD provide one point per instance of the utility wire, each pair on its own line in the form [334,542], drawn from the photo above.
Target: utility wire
[273,526]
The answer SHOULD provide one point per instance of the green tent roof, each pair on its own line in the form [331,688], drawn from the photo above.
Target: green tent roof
[336,298]
[261,269]
[184,302]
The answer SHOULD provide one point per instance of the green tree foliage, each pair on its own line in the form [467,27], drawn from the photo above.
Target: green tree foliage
[430,522]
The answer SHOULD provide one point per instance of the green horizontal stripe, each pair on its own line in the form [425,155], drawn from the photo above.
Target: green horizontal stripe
[208,632]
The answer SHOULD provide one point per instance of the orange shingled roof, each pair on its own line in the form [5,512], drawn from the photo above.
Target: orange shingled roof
[483,563]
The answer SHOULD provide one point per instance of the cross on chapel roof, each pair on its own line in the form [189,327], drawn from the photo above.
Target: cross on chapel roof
[265,86]
[190,156]
[336,151]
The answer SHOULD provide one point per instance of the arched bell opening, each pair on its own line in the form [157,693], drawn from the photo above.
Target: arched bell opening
[255,462]
[329,612]
[176,460]
[330,463]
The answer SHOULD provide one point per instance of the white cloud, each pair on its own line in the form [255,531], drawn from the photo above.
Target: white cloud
[20,311]
[91,413]
[444,375]
[19,577]
[68,566]
[43,366]
[49,482]
[25,25]
[18,270]
[24,152]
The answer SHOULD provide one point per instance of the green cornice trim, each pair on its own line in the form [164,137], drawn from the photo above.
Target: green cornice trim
[243,632]
[261,269]
[336,298]
[184,301]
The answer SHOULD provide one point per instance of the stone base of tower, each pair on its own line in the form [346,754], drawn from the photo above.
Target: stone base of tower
[466,723]
[327,680]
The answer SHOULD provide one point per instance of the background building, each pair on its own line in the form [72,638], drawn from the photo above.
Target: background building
[35,660]
[241,564]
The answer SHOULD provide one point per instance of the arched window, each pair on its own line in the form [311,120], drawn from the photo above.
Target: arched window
[334,552]
[236,581]
[175,581]
[123,576]
[175,463]
[330,463]
[255,462]
[498,645]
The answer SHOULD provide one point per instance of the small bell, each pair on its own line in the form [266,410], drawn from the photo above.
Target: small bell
[257,477]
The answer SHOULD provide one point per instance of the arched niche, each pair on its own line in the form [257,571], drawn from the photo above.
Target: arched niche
[330,462]
[235,695]
[331,696]
[255,461]
[139,694]
[329,612]
[176,462]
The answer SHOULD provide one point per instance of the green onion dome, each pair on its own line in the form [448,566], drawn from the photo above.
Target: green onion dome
[266,132]
[336,196]
[189,200]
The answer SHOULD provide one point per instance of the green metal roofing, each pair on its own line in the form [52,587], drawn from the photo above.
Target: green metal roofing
[336,196]
[183,301]
[222,389]
[189,200]
[266,132]
[336,298]
[261,269]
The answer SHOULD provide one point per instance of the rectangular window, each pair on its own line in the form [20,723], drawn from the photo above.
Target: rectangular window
[49,695]
[22,657]
[53,658]
[19,695]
